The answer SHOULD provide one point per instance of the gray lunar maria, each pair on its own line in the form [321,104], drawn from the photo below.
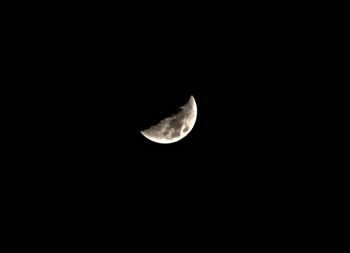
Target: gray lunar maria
[173,129]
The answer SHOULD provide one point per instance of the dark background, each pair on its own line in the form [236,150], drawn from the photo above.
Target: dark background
[100,78]
[113,80]
[96,78]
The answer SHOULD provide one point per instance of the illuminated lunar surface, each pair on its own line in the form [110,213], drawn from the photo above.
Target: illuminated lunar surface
[175,128]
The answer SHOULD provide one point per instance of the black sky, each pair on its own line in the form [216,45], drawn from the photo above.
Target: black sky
[90,80]
[99,82]
[106,87]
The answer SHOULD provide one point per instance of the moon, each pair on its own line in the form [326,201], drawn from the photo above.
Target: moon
[175,128]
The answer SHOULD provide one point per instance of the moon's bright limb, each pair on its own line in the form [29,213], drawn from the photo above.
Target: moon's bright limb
[174,128]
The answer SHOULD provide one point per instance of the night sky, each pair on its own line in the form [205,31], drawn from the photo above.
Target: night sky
[130,80]
[97,84]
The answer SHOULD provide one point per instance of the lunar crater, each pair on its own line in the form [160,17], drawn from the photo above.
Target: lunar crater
[174,128]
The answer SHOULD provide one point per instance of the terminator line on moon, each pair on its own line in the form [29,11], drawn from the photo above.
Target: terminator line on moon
[175,128]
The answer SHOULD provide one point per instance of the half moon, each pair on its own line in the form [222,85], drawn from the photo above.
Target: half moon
[175,128]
